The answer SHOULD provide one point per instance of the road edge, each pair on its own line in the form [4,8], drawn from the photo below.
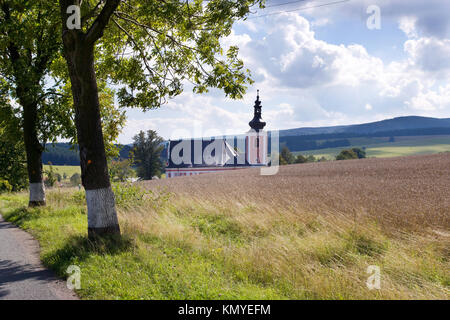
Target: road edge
[32,248]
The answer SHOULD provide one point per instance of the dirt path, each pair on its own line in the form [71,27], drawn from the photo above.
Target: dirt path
[22,276]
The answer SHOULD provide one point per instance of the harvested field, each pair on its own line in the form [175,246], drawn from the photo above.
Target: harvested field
[404,192]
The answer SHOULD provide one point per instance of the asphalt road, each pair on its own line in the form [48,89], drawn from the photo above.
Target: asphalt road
[22,276]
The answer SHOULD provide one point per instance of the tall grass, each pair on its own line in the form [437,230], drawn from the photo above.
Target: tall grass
[242,236]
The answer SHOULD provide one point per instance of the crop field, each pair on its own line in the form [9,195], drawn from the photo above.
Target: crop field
[381,148]
[68,170]
[309,232]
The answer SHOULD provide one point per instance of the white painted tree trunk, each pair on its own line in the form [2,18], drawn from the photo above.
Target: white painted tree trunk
[37,194]
[102,216]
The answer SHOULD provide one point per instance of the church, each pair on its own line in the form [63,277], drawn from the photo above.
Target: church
[188,157]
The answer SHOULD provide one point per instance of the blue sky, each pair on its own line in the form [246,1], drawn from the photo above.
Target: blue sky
[323,66]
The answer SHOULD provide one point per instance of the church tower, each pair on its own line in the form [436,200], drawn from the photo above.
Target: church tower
[256,141]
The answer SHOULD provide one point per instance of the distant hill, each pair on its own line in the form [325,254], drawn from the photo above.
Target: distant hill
[63,154]
[302,139]
[395,124]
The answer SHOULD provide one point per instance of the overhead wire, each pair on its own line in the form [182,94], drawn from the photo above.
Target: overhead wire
[298,9]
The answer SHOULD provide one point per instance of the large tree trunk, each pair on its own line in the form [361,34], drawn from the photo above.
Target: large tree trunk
[102,216]
[25,90]
[34,156]
[33,147]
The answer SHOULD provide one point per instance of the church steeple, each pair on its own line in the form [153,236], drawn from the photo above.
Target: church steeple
[256,123]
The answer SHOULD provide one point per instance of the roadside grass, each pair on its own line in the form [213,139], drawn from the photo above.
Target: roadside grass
[181,247]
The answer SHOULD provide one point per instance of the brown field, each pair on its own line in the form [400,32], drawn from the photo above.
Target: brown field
[399,193]
[313,229]
[309,232]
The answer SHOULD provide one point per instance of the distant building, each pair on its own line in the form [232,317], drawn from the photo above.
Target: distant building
[189,157]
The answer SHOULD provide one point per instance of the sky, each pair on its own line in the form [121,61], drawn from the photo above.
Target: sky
[322,63]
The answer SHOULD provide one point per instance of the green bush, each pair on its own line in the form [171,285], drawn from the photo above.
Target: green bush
[346,155]
[5,186]
[51,176]
[75,179]
[361,153]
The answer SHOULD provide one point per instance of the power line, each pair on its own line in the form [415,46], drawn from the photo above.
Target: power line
[284,4]
[299,9]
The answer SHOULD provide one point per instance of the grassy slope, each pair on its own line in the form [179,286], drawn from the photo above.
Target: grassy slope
[380,148]
[308,233]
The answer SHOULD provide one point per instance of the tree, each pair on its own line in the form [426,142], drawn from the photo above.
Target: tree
[75,179]
[346,155]
[286,156]
[13,171]
[148,48]
[51,176]
[30,55]
[147,154]
[120,170]
[359,152]
[311,158]
[29,41]
[300,159]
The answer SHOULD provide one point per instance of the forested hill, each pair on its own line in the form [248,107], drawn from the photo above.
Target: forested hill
[395,124]
[301,139]
[63,154]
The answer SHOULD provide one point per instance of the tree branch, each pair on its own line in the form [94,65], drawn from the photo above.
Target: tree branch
[95,32]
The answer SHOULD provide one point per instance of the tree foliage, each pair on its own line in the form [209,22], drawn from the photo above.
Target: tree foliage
[13,173]
[75,179]
[147,150]
[121,170]
[30,40]
[347,155]
[151,49]
[13,170]
[361,153]
[286,156]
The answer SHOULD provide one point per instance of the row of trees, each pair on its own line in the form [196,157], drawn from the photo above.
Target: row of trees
[55,63]
[354,153]
[287,157]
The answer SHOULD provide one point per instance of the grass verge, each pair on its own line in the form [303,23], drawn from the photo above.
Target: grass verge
[188,248]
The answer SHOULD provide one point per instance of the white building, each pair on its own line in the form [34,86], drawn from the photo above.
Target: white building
[189,157]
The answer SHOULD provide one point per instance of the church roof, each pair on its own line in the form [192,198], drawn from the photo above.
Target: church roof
[199,153]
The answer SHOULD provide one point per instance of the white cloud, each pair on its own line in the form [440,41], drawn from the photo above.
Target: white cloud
[306,81]
[430,54]
[408,26]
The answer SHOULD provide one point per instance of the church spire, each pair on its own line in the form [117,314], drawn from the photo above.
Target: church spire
[256,123]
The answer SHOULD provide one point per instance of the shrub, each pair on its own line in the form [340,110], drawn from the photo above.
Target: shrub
[300,159]
[286,156]
[5,186]
[75,179]
[51,176]
[359,152]
[346,155]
